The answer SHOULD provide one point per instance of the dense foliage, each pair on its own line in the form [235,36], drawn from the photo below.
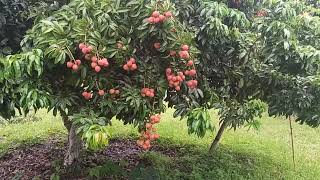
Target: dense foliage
[17,16]
[291,57]
[258,51]
[88,61]
[12,27]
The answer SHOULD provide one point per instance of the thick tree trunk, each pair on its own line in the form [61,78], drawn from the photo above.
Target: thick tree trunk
[216,140]
[74,147]
[74,141]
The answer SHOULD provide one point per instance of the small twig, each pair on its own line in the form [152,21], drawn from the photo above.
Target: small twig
[70,53]
[97,84]
[85,35]
[144,80]
[292,143]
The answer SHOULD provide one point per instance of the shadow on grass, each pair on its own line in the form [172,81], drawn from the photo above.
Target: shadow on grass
[169,161]
[191,162]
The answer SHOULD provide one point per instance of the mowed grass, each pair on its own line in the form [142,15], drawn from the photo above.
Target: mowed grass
[28,133]
[243,154]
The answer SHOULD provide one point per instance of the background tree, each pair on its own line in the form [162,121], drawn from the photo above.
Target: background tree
[17,17]
[258,53]
[223,37]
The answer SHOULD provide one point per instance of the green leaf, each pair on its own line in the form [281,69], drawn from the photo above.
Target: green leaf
[60,58]
[286,45]
[242,54]
[286,33]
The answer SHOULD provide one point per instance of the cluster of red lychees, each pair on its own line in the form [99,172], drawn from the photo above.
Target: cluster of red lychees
[149,134]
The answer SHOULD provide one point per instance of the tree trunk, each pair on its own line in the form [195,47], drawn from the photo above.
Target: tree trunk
[74,147]
[74,141]
[216,140]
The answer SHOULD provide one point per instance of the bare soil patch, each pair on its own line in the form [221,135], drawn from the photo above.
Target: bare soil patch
[41,160]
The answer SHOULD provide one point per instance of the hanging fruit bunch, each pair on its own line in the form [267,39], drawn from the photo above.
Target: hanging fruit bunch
[149,133]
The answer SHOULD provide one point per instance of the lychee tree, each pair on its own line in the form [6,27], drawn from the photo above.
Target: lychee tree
[92,61]
[223,35]
[256,52]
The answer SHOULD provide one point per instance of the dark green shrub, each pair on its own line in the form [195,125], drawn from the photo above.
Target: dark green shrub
[16,17]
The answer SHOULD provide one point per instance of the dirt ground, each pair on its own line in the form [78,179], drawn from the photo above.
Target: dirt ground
[43,160]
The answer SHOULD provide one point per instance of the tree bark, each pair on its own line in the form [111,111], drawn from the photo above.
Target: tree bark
[65,120]
[74,141]
[216,140]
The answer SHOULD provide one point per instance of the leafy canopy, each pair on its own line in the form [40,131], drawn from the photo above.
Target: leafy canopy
[62,70]
[245,56]
[258,51]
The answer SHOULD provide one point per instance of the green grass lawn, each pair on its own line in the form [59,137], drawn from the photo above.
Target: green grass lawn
[263,154]
[27,133]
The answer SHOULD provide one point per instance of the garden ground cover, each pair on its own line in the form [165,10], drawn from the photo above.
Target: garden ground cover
[36,148]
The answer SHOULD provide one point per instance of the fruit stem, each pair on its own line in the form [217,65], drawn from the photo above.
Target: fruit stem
[97,54]
[97,84]
[70,54]
[144,80]
[85,36]
[194,67]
